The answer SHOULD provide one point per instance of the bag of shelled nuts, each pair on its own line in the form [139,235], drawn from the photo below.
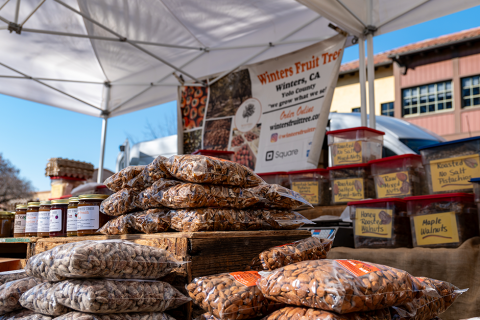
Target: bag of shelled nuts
[120,179]
[149,221]
[118,296]
[119,203]
[115,316]
[299,313]
[151,173]
[230,296]
[8,276]
[24,314]
[10,293]
[117,259]
[42,299]
[277,196]
[204,169]
[341,286]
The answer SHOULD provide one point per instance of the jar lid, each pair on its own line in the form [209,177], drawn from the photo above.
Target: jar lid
[319,171]
[349,166]
[356,129]
[45,203]
[60,201]
[402,156]
[93,196]
[73,199]
[373,201]
[21,206]
[6,213]
[466,196]
[34,204]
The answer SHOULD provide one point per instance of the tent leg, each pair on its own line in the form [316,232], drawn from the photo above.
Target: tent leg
[371,81]
[102,149]
[361,72]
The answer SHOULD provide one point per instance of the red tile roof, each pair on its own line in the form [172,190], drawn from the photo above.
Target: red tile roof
[382,58]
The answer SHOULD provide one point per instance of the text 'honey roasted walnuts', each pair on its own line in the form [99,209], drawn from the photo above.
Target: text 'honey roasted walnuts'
[101,259]
[120,179]
[341,286]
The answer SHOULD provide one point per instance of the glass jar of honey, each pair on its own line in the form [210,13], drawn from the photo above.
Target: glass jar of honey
[90,219]
[58,218]
[43,229]
[20,220]
[32,219]
[72,217]
[7,220]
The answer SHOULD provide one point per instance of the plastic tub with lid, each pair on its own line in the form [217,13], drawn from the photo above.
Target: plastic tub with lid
[277,177]
[226,155]
[351,183]
[354,145]
[313,185]
[380,223]
[450,165]
[399,176]
[442,220]
[476,189]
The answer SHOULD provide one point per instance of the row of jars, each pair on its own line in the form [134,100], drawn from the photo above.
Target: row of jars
[76,216]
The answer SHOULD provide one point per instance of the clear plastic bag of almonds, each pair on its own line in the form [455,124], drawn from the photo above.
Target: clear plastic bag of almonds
[24,314]
[120,179]
[299,313]
[119,203]
[7,276]
[151,173]
[42,299]
[152,220]
[204,169]
[193,195]
[11,292]
[117,259]
[277,196]
[342,286]
[75,315]
[230,296]
[119,225]
[312,248]
[118,296]
[428,306]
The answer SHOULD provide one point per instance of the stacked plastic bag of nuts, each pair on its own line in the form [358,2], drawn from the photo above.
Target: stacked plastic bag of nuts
[299,283]
[97,280]
[197,193]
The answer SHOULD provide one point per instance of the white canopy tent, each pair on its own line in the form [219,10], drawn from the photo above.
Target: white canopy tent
[106,57]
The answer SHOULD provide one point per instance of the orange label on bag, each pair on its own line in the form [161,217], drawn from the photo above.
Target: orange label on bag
[286,244]
[357,268]
[247,278]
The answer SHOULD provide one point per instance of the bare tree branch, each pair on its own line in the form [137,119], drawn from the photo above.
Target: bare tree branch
[12,186]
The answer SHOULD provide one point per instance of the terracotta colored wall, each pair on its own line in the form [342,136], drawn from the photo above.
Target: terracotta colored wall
[433,72]
[471,119]
[442,124]
[469,65]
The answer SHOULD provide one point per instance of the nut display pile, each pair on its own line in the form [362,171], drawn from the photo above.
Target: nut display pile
[24,314]
[8,276]
[298,313]
[149,221]
[42,299]
[151,173]
[121,179]
[119,203]
[115,316]
[276,196]
[11,292]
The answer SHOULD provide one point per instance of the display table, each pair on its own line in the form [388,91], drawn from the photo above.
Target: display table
[460,266]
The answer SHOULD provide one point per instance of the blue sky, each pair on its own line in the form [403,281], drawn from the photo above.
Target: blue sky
[31,133]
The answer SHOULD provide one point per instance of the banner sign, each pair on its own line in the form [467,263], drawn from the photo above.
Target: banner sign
[266,113]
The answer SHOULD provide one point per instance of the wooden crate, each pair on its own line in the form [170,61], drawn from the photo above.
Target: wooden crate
[207,253]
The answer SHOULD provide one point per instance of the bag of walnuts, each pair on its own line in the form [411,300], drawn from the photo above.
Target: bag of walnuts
[287,220]
[24,314]
[342,286]
[230,296]
[120,179]
[204,169]
[152,221]
[8,276]
[279,197]
[118,296]
[117,259]
[311,248]
[115,316]
[11,292]
[120,203]
[192,195]
[151,173]
[298,313]
[148,198]
[117,226]
[42,299]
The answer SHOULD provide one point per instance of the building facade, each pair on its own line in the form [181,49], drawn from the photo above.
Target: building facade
[433,83]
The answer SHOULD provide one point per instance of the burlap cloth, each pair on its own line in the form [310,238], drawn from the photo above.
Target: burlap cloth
[460,266]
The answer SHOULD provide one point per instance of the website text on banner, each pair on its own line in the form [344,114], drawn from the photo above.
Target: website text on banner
[267,113]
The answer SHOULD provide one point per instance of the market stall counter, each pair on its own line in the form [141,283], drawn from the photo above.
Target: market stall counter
[456,265]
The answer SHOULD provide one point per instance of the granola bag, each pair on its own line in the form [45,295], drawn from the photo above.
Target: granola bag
[120,179]
[203,169]
[10,293]
[117,226]
[298,313]
[116,259]
[119,203]
[8,276]
[42,299]
[277,196]
[230,296]
[151,173]
[192,195]
[118,296]
[312,248]
[342,286]
[151,221]
[115,316]
[24,314]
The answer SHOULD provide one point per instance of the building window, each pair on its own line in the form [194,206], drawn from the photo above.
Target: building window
[471,91]
[354,110]
[428,98]
[387,109]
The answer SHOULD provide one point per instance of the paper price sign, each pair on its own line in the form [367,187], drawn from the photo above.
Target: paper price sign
[454,173]
[347,153]
[307,189]
[436,228]
[375,223]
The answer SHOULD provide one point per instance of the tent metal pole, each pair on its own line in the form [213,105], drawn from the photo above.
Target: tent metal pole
[361,74]
[276,43]
[103,138]
[17,11]
[352,13]
[49,79]
[31,14]
[371,69]
[4,20]
[3,5]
